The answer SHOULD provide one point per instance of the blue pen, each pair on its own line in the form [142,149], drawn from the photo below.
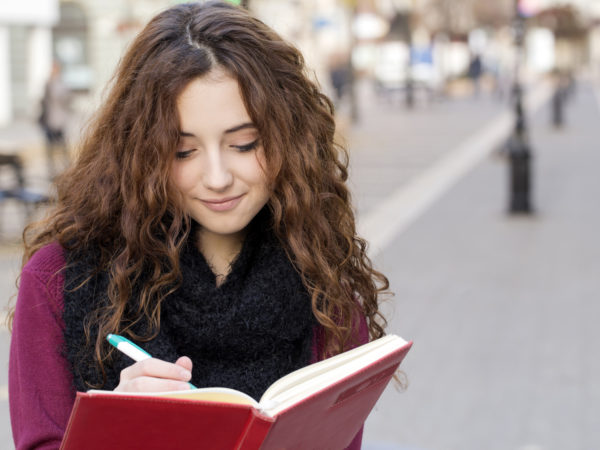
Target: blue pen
[130,349]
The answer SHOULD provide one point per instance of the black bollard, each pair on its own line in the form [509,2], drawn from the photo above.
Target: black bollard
[520,175]
[519,153]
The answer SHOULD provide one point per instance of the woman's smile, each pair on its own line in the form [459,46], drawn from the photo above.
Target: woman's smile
[222,205]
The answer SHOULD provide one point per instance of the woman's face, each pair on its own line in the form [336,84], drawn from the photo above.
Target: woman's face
[219,164]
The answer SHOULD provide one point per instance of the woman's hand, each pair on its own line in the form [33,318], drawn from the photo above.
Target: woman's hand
[156,375]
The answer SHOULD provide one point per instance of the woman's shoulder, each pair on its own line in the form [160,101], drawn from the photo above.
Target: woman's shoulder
[48,260]
[41,282]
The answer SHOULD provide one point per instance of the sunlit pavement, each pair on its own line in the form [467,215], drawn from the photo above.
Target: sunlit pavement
[499,307]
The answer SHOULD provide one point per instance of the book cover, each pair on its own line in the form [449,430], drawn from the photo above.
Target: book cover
[322,405]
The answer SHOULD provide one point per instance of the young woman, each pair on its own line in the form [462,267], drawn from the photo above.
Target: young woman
[206,218]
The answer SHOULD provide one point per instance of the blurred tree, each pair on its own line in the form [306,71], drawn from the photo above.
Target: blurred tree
[571,33]
[458,17]
[494,13]
[243,3]
[564,21]
[453,17]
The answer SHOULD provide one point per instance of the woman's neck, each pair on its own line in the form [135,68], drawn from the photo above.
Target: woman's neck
[219,251]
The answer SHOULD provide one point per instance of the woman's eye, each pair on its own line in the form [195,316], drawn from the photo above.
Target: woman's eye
[246,147]
[183,154]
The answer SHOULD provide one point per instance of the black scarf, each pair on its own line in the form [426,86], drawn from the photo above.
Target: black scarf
[245,334]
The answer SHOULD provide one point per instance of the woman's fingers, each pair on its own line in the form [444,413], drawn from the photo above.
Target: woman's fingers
[151,384]
[185,362]
[154,375]
[158,368]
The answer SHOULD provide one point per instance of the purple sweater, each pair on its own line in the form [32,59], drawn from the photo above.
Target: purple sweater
[40,382]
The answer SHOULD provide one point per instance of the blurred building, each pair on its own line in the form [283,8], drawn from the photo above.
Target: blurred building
[448,34]
[25,54]
[91,35]
[88,37]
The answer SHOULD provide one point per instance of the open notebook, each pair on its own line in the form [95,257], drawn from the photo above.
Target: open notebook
[322,405]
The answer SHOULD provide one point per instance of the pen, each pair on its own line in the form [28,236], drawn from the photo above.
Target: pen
[130,349]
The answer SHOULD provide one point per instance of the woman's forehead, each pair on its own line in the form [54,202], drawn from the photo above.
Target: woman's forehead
[212,103]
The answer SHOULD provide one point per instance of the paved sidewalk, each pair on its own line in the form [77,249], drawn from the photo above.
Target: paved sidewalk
[391,145]
[503,309]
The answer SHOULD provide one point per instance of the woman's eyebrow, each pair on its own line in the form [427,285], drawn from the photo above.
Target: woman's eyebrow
[242,126]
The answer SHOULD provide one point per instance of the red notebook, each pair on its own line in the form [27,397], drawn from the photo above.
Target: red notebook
[322,405]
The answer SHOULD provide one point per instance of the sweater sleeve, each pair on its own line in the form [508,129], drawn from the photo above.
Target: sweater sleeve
[40,383]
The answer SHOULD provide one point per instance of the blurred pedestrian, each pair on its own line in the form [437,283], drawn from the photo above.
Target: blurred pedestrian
[206,215]
[475,72]
[340,75]
[54,117]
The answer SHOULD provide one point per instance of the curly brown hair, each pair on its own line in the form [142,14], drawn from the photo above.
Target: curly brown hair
[117,197]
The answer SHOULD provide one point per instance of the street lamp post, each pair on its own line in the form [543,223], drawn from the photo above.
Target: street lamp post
[518,145]
[558,101]
[410,85]
[351,88]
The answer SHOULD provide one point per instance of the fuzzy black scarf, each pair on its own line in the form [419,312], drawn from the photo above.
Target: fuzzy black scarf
[254,328]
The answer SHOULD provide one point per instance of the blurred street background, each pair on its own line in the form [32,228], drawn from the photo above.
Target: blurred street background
[472,128]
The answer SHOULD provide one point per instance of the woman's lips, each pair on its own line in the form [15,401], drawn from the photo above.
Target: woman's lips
[224,204]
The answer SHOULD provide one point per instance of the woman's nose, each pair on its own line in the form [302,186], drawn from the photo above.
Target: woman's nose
[217,174]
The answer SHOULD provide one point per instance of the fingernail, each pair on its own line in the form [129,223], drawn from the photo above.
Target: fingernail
[186,374]
[184,386]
